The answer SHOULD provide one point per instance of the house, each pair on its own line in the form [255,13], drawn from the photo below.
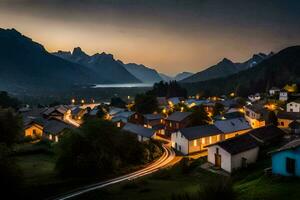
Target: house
[283,95]
[209,107]
[194,102]
[232,127]
[294,127]
[142,133]
[59,112]
[273,91]
[113,111]
[137,118]
[286,160]
[256,115]
[267,135]
[293,106]
[176,121]
[122,118]
[77,113]
[175,100]
[255,97]
[33,128]
[54,128]
[151,120]
[233,153]
[194,139]
[285,118]
[228,104]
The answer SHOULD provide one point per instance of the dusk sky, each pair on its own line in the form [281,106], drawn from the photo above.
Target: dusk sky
[168,35]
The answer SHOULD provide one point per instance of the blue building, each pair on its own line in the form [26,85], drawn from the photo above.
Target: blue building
[286,160]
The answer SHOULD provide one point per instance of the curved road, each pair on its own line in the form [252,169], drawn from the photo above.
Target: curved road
[162,162]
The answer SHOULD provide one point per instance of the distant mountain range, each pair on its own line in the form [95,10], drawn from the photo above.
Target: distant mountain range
[107,69]
[177,77]
[273,70]
[143,73]
[225,68]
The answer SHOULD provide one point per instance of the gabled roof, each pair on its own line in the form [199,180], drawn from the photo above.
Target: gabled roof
[76,110]
[138,130]
[94,112]
[232,125]
[291,145]
[125,114]
[237,144]
[196,132]
[60,108]
[54,126]
[266,133]
[176,100]
[295,101]
[233,115]
[288,115]
[115,110]
[153,116]
[178,116]
[257,108]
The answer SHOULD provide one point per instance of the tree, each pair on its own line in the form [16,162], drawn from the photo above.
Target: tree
[117,102]
[11,126]
[272,119]
[145,103]
[218,109]
[98,149]
[8,102]
[164,89]
[199,117]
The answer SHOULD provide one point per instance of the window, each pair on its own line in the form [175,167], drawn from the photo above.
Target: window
[119,124]
[136,116]
[34,132]
[203,140]
[210,140]
[170,125]
[217,150]
[195,143]
[282,123]
[179,146]
[177,125]
[290,165]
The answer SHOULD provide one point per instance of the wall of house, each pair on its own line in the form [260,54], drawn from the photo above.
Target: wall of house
[231,135]
[178,141]
[142,139]
[284,123]
[29,132]
[225,157]
[173,126]
[293,107]
[200,143]
[279,161]
[255,123]
[251,156]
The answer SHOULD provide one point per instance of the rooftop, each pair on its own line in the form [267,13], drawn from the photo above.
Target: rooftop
[196,132]
[232,125]
[178,116]
[138,130]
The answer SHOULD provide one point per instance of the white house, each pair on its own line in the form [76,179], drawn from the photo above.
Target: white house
[256,115]
[274,90]
[193,139]
[233,153]
[142,133]
[283,95]
[293,106]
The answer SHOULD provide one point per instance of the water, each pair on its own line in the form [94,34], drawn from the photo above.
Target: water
[123,85]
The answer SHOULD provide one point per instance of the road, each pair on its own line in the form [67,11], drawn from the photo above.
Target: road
[164,161]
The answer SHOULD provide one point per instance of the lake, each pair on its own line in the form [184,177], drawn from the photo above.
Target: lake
[123,85]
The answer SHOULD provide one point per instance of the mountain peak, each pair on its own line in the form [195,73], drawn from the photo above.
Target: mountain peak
[225,61]
[77,52]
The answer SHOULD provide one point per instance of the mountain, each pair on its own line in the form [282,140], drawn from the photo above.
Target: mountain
[143,73]
[277,70]
[165,77]
[107,69]
[182,75]
[225,68]
[26,64]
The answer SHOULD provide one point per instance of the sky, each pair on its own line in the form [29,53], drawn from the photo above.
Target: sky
[170,36]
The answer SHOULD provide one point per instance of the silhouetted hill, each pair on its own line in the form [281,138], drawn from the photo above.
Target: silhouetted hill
[277,70]
[107,69]
[143,73]
[25,64]
[225,68]
[182,75]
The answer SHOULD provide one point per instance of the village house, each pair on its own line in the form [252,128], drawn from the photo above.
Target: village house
[59,112]
[194,102]
[285,118]
[209,107]
[293,106]
[267,135]
[113,111]
[234,153]
[33,128]
[256,115]
[54,129]
[122,118]
[176,121]
[232,127]
[286,160]
[273,91]
[194,139]
[137,118]
[283,95]
[142,133]
[77,113]
[175,100]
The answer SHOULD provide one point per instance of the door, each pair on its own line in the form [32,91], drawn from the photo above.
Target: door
[217,160]
[290,165]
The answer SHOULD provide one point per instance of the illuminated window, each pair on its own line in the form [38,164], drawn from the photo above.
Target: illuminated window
[136,116]
[119,124]
[195,143]
[203,140]
[210,140]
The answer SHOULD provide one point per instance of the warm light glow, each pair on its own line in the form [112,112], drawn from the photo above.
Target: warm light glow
[73,101]
[82,101]
[232,94]
[181,109]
